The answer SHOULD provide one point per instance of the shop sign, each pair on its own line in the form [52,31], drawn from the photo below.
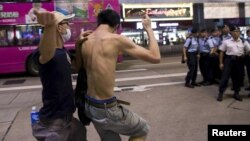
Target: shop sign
[164,12]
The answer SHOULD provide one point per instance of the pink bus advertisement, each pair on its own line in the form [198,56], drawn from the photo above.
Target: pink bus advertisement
[20,35]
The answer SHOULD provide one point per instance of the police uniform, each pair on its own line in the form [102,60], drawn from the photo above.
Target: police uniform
[191,46]
[214,59]
[247,64]
[226,37]
[234,51]
[205,46]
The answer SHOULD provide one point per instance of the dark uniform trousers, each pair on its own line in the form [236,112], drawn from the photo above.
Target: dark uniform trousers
[232,67]
[247,64]
[214,63]
[192,63]
[205,66]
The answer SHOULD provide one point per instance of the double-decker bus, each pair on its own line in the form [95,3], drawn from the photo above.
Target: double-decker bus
[20,34]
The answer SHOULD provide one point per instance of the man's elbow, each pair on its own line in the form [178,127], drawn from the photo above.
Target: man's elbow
[156,60]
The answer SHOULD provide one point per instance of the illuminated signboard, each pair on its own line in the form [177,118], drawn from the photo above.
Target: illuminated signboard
[158,12]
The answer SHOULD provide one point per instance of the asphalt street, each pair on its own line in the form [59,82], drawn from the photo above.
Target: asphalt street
[156,92]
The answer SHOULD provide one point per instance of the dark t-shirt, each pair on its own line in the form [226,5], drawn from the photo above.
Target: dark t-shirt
[57,93]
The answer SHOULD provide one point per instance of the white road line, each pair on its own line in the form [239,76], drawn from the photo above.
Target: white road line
[121,71]
[116,80]
[134,70]
[21,88]
[150,77]
[146,65]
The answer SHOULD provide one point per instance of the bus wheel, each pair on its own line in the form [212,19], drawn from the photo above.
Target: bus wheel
[32,67]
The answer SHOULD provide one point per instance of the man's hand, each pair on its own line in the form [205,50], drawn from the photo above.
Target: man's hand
[221,66]
[83,36]
[45,18]
[146,22]
[185,58]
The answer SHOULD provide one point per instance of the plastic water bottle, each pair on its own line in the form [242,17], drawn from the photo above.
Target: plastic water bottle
[34,115]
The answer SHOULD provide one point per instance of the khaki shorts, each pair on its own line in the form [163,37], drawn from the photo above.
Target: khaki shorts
[59,130]
[110,122]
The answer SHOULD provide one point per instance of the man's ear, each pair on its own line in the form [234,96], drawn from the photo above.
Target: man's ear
[59,28]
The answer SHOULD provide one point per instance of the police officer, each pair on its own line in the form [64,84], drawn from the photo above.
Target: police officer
[214,57]
[225,33]
[232,63]
[190,52]
[206,48]
[247,60]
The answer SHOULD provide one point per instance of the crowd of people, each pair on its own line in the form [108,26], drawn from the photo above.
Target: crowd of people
[220,55]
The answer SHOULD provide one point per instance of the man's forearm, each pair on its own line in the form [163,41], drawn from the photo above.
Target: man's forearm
[48,44]
[153,45]
[221,57]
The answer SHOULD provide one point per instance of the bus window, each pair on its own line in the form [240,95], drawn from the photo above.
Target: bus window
[3,37]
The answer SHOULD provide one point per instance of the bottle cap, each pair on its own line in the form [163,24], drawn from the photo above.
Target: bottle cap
[33,108]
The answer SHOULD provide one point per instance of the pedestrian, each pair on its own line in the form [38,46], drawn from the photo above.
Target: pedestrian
[232,64]
[56,115]
[190,55]
[99,55]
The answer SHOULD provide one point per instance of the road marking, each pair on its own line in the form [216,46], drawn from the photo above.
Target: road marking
[134,70]
[150,77]
[146,65]
[142,88]
[116,80]
[119,71]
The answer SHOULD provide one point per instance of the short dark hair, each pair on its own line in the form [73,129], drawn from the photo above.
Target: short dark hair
[194,30]
[109,17]
[248,30]
[233,28]
[203,30]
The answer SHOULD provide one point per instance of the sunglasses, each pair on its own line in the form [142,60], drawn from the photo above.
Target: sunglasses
[62,23]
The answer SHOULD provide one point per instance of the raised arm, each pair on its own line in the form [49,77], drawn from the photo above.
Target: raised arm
[152,54]
[48,41]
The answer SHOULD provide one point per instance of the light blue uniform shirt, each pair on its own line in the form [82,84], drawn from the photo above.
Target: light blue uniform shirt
[226,37]
[191,44]
[216,41]
[205,45]
[248,40]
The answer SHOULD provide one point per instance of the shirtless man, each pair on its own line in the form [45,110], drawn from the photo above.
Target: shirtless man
[100,53]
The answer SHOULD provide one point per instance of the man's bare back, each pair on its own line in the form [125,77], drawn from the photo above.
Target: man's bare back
[100,55]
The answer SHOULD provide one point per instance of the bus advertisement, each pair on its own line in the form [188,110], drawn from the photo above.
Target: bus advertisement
[20,34]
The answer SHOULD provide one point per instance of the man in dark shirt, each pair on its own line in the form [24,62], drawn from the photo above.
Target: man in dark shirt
[56,116]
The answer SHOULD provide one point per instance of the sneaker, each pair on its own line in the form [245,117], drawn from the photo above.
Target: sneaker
[195,84]
[189,85]
[202,82]
[207,83]
[247,88]
[220,97]
[237,97]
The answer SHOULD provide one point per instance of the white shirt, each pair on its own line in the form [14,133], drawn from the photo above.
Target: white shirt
[232,47]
